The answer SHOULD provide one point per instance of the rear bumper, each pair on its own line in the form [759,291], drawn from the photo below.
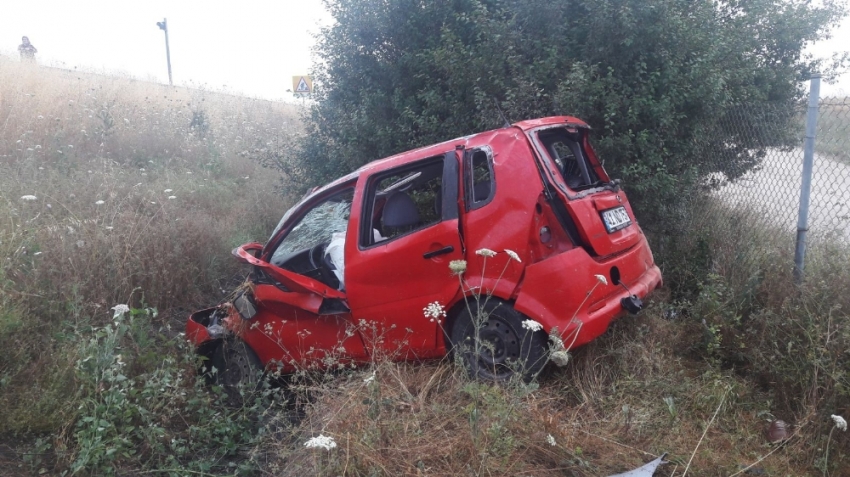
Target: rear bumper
[564,292]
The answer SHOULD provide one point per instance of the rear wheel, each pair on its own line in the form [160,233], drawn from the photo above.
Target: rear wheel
[237,367]
[494,346]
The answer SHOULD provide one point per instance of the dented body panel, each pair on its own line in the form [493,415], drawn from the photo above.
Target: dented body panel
[535,189]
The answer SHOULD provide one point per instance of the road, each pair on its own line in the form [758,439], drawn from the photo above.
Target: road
[773,191]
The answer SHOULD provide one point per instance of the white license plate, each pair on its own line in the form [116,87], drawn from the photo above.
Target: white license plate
[616,219]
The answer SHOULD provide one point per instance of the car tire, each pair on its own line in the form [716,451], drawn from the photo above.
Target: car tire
[237,368]
[506,349]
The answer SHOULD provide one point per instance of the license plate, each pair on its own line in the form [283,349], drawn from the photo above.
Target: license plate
[616,219]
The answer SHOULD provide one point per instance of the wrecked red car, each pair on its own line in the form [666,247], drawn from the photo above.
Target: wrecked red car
[506,247]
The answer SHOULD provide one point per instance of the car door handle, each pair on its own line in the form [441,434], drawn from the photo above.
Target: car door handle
[442,251]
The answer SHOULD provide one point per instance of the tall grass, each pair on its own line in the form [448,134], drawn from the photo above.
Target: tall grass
[116,191]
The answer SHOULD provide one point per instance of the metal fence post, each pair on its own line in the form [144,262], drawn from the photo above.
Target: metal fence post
[805,188]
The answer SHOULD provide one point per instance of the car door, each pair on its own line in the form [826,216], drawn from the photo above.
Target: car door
[300,316]
[407,235]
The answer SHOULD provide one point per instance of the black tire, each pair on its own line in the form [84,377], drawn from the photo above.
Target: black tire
[506,349]
[237,367]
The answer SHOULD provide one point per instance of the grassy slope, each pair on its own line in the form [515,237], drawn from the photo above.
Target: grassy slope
[743,344]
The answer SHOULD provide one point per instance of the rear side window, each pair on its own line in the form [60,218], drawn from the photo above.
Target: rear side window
[480,183]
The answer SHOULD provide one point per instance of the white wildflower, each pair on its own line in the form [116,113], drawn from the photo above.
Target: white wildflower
[37,254]
[40,117]
[100,202]
[120,310]
[550,440]
[109,227]
[172,197]
[38,146]
[513,255]
[457,266]
[601,279]
[485,252]
[168,190]
[325,442]
[370,379]
[189,172]
[29,197]
[532,325]
[434,311]
[840,423]
[560,358]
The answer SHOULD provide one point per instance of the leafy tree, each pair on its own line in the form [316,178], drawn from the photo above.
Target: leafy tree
[654,78]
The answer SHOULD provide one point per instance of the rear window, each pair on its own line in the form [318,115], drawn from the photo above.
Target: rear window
[564,149]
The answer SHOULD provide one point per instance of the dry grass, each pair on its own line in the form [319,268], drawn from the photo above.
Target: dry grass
[141,191]
[606,412]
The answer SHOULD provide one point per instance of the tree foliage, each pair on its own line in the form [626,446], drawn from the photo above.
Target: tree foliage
[654,78]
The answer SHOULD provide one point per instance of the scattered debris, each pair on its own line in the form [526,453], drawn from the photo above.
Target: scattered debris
[645,470]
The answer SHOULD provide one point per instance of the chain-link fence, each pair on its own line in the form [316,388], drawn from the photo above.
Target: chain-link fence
[762,179]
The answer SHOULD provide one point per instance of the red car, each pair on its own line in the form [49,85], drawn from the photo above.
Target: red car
[506,246]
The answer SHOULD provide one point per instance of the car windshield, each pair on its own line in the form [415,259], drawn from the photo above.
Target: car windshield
[316,226]
[563,146]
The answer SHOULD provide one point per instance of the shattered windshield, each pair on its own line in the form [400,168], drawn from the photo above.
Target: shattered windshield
[317,225]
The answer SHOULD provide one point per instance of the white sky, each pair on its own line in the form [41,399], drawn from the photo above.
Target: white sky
[249,46]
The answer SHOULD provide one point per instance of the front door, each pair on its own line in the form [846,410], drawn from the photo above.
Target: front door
[399,264]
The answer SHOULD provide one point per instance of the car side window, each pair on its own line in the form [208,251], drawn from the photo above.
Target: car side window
[315,227]
[402,201]
[479,179]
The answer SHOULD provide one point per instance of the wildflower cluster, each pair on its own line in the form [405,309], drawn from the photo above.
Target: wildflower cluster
[120,310]
[457,266]
[434,311]
[532,325]
[839,421]
[320,441]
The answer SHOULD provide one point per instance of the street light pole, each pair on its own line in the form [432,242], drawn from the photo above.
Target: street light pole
[163,25]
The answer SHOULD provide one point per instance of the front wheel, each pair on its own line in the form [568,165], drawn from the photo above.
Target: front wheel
[493,344]
[236,366]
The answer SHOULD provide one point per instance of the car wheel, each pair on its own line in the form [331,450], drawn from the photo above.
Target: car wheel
[494,346]
[237,366]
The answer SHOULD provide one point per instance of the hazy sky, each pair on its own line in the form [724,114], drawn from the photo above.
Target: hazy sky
[251,46]
[248,46]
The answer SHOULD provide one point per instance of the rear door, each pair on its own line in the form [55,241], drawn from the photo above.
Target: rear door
[407,235]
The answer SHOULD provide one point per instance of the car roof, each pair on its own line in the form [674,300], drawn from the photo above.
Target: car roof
[440,148]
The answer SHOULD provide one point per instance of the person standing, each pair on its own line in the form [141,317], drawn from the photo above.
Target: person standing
[26,50]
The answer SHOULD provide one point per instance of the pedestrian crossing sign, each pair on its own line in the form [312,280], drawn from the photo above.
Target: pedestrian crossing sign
[302,85]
